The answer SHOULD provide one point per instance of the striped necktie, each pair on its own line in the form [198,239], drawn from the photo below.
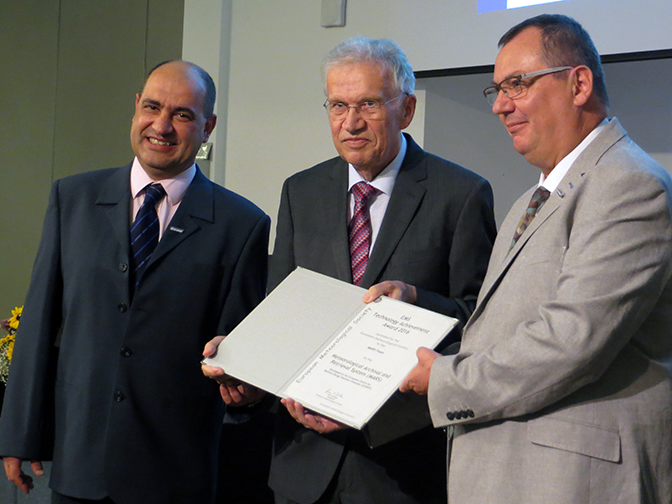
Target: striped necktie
[145,232]
[360,230]
[538,199]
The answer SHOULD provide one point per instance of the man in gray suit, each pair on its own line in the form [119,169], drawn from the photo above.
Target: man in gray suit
[105,377]
[559,392]
[432,230]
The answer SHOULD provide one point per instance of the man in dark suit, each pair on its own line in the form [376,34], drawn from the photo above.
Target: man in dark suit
[430,233]
[114,362]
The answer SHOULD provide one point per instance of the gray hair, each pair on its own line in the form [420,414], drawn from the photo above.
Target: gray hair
[381,51]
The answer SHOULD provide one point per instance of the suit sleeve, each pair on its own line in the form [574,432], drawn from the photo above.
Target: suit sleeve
[26,429]
[616,262]
[473,237]
[248,286]
[282,260]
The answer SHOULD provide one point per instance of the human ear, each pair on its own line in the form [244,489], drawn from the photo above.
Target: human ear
[582,84]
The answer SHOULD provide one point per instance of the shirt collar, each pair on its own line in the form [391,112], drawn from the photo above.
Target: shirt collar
[175,187]
[555,177]
[384,182]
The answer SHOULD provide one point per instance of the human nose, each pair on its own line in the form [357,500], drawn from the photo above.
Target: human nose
[163,124]
[502,104]
[353,119]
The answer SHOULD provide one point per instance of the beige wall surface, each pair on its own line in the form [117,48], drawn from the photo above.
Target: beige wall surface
[71,71]
[276,125]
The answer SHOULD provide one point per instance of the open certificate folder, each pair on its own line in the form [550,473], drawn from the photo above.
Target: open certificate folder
[314,340]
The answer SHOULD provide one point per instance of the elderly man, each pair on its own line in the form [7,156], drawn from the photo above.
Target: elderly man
[428,229]
[137,269]
[559,393]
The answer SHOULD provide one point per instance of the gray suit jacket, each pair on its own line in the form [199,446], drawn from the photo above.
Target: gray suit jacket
[437,234]
[558,393]
[134,417]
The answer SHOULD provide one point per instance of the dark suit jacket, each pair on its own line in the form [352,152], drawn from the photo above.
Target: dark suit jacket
[135,418]
[437,234]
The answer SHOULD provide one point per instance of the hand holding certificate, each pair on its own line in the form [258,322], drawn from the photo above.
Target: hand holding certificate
[314,340]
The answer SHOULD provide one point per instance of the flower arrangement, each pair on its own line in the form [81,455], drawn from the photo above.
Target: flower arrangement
[7,343]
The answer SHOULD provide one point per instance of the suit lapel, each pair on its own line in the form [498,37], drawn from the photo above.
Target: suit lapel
[570,182]
[115,195]
[502,257]
[502,254]
[544,213]
[335,203]
[198,203]
[406,197]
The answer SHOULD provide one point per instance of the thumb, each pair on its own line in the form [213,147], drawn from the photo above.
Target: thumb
[424,354]
[37,468]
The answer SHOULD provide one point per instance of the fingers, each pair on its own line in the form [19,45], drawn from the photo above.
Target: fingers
[406,385]
[412,382]
[418,379]
[375,291]
[12,467]
[228,395]
[426,356]
[214,372]
[310,420]
[37,468]
[211,346]
[16,475]
[237,393]
[391,288]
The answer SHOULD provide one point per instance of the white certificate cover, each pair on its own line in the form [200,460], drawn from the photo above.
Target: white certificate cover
[314,340]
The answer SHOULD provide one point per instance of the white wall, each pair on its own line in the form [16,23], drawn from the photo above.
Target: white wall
[272,124]
[275,125]
[460,126]
[207,42]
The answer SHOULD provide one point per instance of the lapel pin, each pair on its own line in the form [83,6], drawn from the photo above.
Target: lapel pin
[176,229]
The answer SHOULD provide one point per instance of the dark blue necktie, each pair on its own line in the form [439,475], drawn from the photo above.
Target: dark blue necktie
[145,232]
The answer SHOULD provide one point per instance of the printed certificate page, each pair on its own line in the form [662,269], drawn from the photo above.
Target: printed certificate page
[313,339]
[367,361]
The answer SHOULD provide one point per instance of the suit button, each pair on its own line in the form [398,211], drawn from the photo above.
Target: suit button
[118,396]
[122,307]
[450,416]
[470,413]
[123,267]
[126,352]
[458,415]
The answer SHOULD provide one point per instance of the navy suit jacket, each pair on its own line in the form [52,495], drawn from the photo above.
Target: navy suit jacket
[437,234]
[112,387]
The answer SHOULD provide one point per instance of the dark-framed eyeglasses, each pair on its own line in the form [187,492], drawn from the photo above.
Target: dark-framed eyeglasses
[516,85]
[368,109]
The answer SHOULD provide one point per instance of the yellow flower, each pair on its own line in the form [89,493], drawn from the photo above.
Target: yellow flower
[10,350]
[7,347]
[16,317]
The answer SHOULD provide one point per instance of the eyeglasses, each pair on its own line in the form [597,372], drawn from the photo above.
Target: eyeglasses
[368,109]
[515,86]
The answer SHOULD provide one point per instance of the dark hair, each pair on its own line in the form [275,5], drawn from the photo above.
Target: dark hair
[564,42]
[381,51]
[206,80]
